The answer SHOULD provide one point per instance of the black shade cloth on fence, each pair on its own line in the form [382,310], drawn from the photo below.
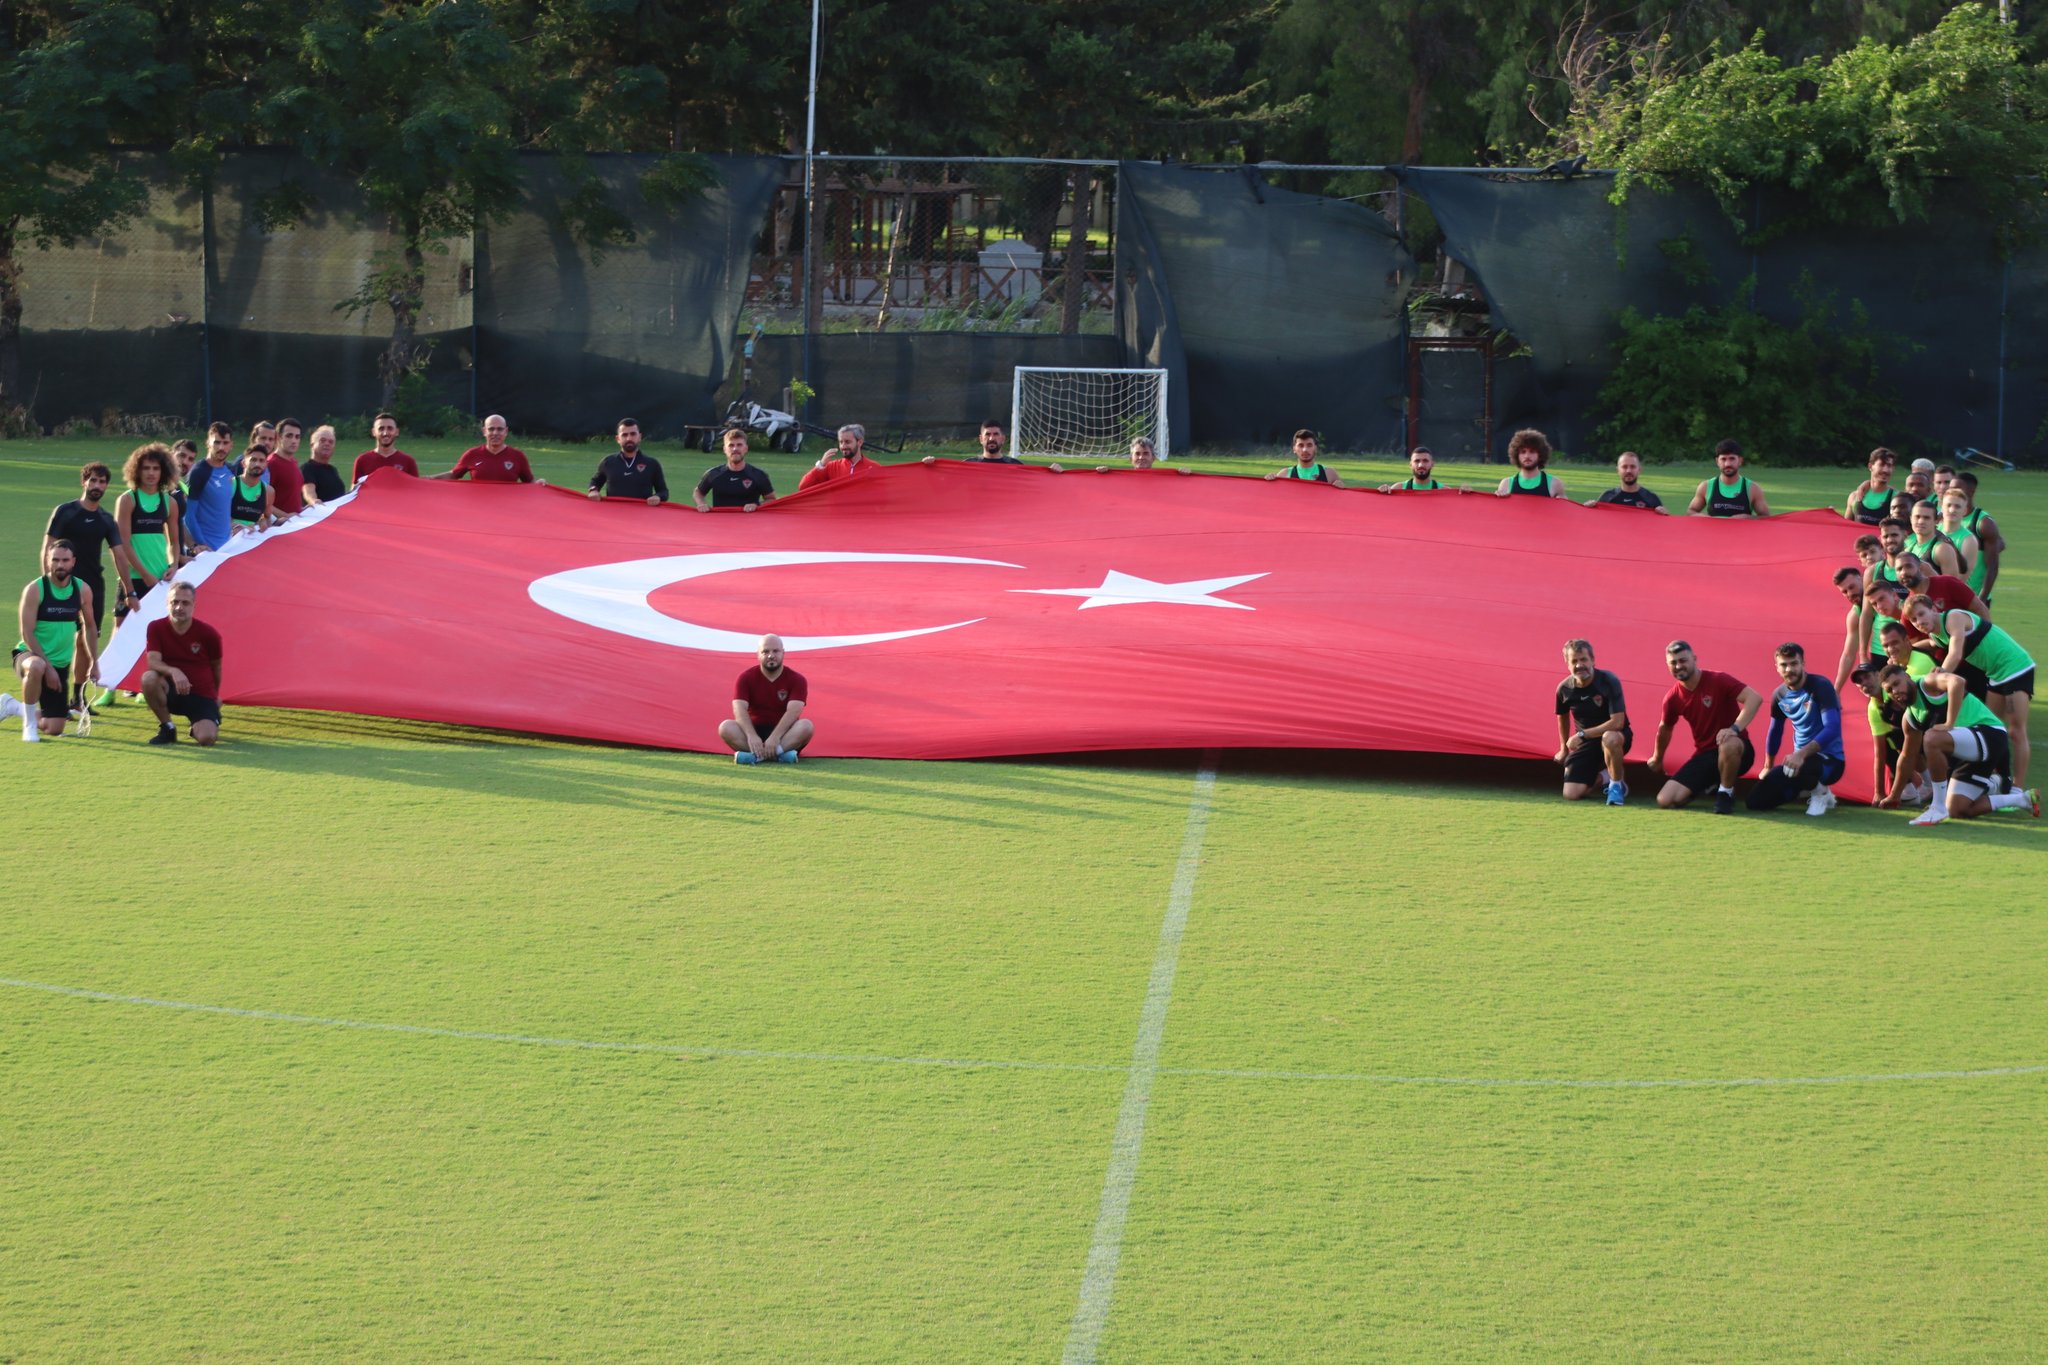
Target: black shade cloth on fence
[279,340]
[569,340]
[938,385]
[197,310]
[1289,307]
[116,324]
[1559,262]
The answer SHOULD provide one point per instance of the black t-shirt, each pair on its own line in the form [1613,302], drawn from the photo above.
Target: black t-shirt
[1641,497]
[731,487]
[1593,704]
[89,532]
[640,479]
[995,459]
[328,484]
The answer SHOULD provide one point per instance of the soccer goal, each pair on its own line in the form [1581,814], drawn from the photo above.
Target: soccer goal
[1062,413]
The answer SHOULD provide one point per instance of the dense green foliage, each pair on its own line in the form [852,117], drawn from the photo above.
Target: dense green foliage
[1811,391]
[1863,134]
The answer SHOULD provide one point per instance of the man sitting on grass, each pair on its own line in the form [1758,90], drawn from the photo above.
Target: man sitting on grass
[182,673]
[768,723]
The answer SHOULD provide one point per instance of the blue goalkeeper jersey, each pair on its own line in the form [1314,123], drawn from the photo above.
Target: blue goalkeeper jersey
[1814,712]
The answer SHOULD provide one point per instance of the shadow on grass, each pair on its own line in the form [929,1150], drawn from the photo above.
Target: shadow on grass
[996,794]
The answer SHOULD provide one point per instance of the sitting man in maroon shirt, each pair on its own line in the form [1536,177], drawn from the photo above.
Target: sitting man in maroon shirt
[183,673]
[493,461]
[387,455]
[768,724]
[1719,709]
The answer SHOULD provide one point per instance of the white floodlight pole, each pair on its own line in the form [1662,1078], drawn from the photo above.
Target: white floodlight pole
[810,187]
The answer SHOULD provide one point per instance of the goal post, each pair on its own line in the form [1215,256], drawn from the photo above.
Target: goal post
[1062,413]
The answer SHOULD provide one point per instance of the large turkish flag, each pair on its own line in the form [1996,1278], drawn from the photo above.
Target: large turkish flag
[955,610]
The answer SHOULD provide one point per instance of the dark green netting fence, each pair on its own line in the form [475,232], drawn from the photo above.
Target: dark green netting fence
[1271,310]
[196,310]
[1559,262]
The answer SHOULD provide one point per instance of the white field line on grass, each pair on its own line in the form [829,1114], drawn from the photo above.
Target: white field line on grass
[1098,1280]
[999,1064]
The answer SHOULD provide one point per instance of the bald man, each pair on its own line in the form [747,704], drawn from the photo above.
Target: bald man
[493,461]
[768,724]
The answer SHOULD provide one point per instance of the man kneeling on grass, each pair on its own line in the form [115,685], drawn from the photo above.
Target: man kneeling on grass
[767,724]
[1964,742]
[1719,709]
[182,677]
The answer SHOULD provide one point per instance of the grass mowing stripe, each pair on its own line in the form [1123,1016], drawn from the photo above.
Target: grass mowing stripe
[536,1040]
[1098,1281]
[1000,1064]
[1618,1083]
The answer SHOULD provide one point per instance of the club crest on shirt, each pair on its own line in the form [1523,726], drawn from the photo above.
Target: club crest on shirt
[782,694]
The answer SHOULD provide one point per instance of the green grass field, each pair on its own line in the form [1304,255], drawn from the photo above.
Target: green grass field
[370,1040]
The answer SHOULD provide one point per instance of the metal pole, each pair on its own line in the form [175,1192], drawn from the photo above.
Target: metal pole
[810,188]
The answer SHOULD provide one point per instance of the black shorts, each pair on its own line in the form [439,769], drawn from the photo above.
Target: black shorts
[1975,680]
[1702,772]
[762,730]
[2019,682]
[55,702]
[192,706]
[1585,766]
[1994,750]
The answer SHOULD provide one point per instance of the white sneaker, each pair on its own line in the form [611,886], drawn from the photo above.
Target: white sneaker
[10,706]
[1916,794]
[1930,816]
[1821,802]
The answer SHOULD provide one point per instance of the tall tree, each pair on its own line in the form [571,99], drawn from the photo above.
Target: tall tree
[74,78]
[415,105]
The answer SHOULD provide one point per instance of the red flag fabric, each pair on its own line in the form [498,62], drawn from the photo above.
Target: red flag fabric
[954,610]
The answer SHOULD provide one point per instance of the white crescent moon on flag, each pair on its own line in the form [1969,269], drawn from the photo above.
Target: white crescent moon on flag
[614,597]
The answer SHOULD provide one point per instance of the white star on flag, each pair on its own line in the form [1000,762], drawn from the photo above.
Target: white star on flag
[1122,590]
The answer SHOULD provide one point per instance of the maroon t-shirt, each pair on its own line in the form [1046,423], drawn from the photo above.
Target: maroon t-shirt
[766,700]
[369,462]
[1948,593]
[287,484]
[1709,708]
[506,465]
[197,652]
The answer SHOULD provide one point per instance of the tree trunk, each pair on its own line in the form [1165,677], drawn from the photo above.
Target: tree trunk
[1074,280]
[896,231]
[406,292]
[1423,55]
[10,323]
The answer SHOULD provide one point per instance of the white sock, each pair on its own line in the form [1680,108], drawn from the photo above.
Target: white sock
[1941,796]
[2010,801]
[1729,790]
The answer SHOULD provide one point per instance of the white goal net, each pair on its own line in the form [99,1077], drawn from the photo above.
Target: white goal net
[1057,413]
